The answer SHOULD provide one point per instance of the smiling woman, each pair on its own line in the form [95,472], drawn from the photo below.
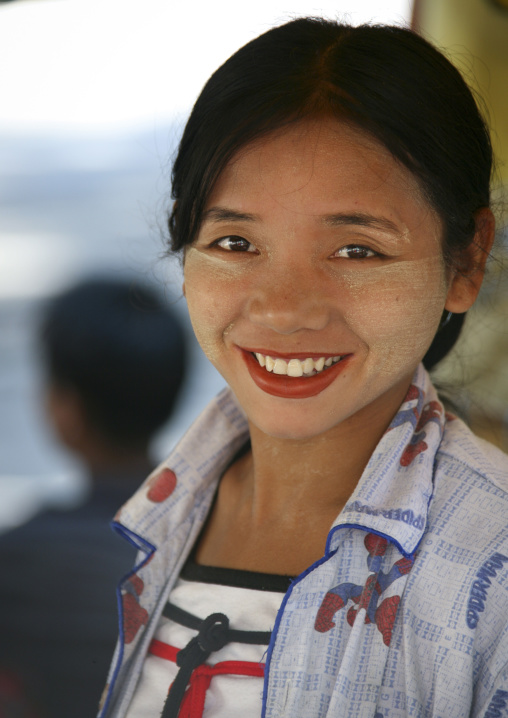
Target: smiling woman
[332,208]
[338,235]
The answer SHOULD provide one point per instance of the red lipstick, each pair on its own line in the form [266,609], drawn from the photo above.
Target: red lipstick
[289,387]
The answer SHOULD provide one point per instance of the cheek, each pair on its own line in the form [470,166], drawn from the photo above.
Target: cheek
[396,310]
[209,301]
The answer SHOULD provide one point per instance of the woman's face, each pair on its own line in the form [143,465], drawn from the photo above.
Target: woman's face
[316,248]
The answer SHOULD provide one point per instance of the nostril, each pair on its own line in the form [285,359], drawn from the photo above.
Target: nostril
[286,315]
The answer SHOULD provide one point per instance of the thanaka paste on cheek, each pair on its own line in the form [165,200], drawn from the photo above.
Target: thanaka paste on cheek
[209,285]
[406,315]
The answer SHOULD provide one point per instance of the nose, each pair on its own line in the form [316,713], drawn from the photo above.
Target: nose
[289,301]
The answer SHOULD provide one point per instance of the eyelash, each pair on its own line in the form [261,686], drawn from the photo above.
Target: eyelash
[239,241]
[361,248]
[241,245]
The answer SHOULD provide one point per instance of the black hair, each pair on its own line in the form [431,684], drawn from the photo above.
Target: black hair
[121,350]
[387,81]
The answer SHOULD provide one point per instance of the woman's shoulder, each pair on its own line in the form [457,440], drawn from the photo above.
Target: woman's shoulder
[463,557]
[469,504]
[463,454]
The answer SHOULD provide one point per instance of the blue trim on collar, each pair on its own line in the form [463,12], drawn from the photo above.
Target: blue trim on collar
[366,529]
[143,545]
[329,553]
[280,613]
[133,538]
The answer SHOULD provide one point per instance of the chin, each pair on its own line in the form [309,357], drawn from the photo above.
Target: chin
[293,425]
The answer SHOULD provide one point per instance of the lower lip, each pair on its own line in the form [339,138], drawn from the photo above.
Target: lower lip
[289,387]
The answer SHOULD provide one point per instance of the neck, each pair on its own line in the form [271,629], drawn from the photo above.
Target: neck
[312,476]
[287,488]
[318,474]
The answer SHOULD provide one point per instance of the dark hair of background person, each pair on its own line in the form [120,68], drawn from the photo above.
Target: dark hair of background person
[120,349]
[387,81]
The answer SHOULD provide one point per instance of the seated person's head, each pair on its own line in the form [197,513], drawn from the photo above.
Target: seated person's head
[114,356]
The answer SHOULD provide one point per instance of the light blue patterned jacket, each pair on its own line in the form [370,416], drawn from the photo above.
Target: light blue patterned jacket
[406,614]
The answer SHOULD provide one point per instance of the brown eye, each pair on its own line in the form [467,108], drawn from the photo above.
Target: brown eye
[355,251]
[233,243]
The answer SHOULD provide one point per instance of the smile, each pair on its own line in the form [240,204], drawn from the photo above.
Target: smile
[296,367]
[293,377]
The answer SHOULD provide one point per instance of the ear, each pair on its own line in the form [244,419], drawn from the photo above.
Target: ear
[467,274]
[66,413]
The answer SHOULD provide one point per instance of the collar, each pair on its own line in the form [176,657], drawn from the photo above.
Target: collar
[393,494]
[184,485]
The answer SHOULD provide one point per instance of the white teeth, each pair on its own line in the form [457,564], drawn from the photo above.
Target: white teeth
[295,367]
[280,367]
[260,359]
[308,366]
[319,364]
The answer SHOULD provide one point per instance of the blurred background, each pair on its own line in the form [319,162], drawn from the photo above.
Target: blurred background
[474,35]
[94,96]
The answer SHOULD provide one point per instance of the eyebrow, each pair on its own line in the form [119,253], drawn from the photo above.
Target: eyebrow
[360,219]
[223,214]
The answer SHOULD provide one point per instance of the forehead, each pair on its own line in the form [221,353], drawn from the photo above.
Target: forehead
[315,165]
